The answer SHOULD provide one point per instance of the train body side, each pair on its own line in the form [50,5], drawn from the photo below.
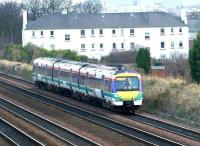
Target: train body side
[89,80]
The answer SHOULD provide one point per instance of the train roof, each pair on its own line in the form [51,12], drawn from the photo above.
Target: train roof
[96,70]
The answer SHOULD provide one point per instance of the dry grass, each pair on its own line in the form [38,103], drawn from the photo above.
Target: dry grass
[16,68]
[172,96]
[169,95]
[9,64]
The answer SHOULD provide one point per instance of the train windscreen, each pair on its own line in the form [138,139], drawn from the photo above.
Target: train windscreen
[127,84]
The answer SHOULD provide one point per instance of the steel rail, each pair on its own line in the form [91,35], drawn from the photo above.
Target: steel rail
[58,131]
[173,128]
[16,136]
[118,127]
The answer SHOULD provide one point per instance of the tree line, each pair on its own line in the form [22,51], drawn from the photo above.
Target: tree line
[37,8]
[11,15]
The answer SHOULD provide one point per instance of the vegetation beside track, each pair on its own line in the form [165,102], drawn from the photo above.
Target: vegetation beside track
[174,97]
[170,96]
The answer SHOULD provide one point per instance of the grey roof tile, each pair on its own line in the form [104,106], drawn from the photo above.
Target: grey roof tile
[105,20]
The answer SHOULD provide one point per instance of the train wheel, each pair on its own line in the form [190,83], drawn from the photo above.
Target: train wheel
[104,104]
[132,110]
[113,109]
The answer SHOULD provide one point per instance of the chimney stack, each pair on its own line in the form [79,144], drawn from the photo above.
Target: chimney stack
[24,19]
[183,16]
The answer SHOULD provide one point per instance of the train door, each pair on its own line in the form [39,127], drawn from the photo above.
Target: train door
[35,72]
[86,83]
[59,76]
[70,79]
[107,89]
[46,73]
[98,86]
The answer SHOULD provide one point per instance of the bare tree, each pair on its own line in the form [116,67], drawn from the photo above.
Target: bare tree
[59,6]
[89,6]
[10,23]
[37,8]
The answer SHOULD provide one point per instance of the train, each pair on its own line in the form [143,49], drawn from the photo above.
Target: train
[117,89]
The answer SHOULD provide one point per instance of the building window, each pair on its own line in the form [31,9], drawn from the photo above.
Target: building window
[162,45]
[180,44]
[114,45]
[33,34]
[122,32]
[41,33]
[162,31]
[122,45]
[92,32]
[132,31]
[180,30]
[113,32]
[67,37]
[101,32]
[162,56]
[172,30]
[147,36]
[51,34]
[172,44]
[101,45]
[82,33]
[52,46]
[172,56]
[132,46]
[83,47]
[92,46]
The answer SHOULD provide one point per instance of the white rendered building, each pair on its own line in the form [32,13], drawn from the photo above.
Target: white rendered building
[96,35]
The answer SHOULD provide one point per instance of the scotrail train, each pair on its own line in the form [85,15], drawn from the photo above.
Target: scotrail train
[114,88]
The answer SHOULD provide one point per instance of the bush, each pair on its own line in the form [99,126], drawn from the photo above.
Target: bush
[124,57]
[143,59]
[194,60]
[30,52]
[174,67]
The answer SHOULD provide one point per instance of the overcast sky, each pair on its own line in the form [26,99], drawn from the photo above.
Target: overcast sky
[166,3]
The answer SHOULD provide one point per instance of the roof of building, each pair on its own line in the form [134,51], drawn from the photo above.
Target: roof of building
[105,20]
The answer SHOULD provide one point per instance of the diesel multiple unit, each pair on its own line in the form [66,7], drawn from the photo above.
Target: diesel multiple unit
[117,89]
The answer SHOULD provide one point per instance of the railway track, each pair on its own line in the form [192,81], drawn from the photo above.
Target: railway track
[179,130]
[15,136]
[118,127]
[182,131]
[62,133]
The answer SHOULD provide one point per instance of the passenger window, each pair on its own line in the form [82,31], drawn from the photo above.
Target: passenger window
[83,80]
[94,83]
[56,73]
[43,71]
[74,78]
[64,75]
[49,72]
[107,85]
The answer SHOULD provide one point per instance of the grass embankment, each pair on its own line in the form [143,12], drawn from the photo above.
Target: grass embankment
[15,68]
[172,96]
[169,96]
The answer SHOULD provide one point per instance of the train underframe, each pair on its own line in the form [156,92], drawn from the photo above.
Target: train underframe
[127,107]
